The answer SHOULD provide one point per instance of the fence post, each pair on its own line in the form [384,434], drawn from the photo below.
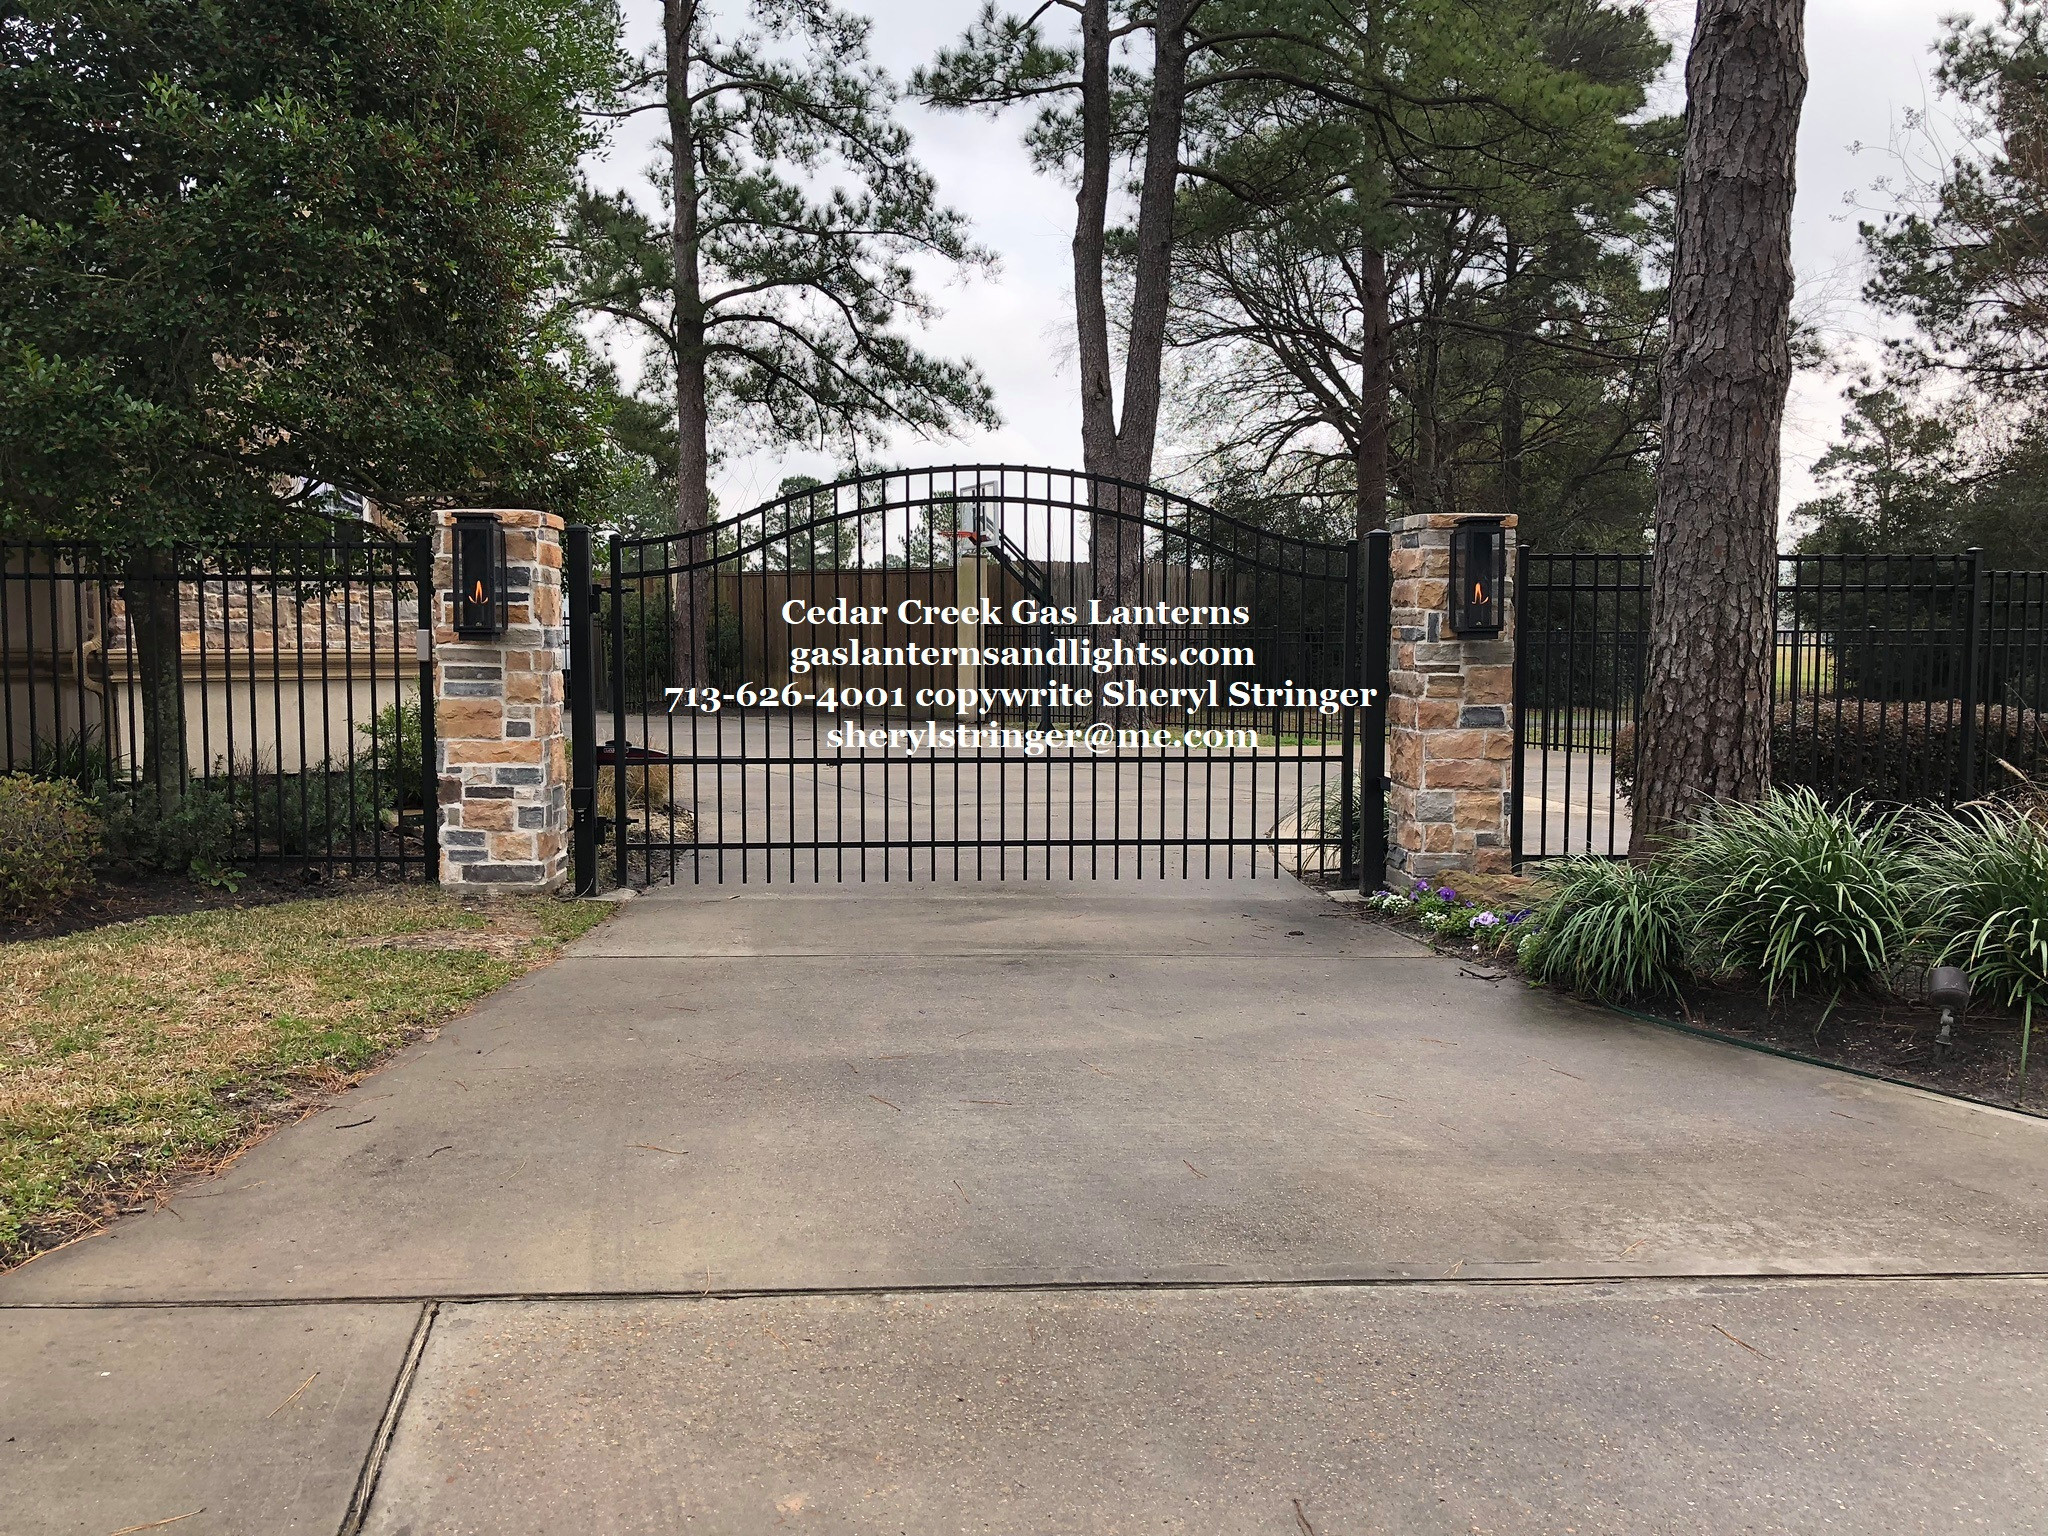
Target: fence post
[430,762]
[621,828]
[1973,671]
[1350,833]
[504,793]
[582,712]
[1372,871]
[1517,770]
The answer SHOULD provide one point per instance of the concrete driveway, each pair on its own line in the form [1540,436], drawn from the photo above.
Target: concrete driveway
[771,800]
[1063,1207]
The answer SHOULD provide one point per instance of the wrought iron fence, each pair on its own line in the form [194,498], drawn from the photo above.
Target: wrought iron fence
[746,680]
[248,705]
[1902,678]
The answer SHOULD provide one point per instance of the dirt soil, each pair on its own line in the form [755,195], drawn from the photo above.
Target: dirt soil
[171,895]
[1882,1035]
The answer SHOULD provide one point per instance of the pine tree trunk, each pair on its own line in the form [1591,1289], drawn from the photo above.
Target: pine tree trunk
[150,595]
[1152,279]
[1106,532]
[1705,733]
[1424,410]
[693,431]
[1514,348]
[1124,449]
[1375,393]
[1091,222]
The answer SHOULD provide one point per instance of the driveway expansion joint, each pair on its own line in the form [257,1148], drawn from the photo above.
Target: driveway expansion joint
[1770,1278]
[387,1427]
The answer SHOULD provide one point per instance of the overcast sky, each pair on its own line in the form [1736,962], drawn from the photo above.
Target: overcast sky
[1869,63]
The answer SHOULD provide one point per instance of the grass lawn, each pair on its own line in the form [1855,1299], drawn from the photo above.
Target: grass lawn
[1806,667]
[135,1053]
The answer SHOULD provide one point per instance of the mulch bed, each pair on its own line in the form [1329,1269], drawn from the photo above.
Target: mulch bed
[1883,1036]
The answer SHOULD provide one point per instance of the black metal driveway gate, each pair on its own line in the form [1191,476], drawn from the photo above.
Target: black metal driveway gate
[977,672]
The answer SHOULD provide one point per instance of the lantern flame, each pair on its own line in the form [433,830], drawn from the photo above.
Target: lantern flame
[1478,592]
[477,593]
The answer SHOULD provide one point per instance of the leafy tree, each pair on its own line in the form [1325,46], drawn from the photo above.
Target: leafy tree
[2008,508]
[1913,476]
[2007,512]
[636,496]
[1278,151]
[774,290]
[249,250]
[1705,732]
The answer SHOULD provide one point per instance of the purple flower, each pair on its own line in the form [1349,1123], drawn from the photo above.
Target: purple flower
[1445,893]
[1486,920]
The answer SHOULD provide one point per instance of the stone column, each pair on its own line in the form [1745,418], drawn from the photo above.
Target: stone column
[1450,727]
[503,760]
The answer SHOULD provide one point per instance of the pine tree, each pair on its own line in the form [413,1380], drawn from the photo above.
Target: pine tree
[1343,272]
[776,292]
[1705,733]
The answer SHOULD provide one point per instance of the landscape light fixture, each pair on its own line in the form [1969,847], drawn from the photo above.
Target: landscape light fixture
[1479,574]
[1948,988]
[482,602]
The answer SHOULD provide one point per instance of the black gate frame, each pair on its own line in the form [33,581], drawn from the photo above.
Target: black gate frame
[881,531]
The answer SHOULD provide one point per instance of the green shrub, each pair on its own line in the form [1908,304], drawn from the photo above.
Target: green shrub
[220,821]
[1799,891]
[197,834]
[1612,930]
[308,813]
[48,838]
[1895,752]
[392,750]
[81,759]
[1987,874]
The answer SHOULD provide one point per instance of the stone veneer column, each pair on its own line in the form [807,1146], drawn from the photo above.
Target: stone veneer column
[1450,728]
[503,761]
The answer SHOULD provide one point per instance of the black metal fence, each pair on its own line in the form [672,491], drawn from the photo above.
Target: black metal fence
[924,674]
[1902,678]
[238,706]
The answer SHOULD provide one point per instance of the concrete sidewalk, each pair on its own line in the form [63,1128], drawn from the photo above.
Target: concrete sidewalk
[1148,1205]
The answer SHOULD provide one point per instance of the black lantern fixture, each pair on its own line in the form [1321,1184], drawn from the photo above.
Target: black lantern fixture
[1479,572]
[481,603]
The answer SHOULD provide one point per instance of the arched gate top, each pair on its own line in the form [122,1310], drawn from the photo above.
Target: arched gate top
[1084,499]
